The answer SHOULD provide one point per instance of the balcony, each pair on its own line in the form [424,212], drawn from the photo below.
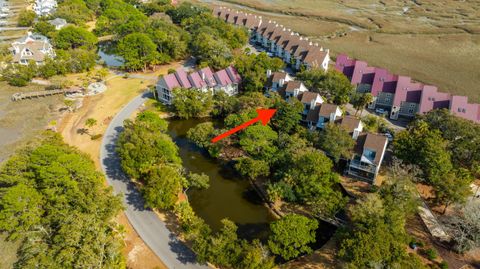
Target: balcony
[362,166]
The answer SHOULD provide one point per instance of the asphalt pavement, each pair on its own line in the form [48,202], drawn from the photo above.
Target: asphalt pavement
[153,231]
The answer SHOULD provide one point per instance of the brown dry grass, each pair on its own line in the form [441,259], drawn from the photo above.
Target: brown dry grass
[436,42]
[22,120]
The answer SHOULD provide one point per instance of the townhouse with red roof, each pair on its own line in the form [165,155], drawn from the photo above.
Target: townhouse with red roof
[401,96]
[226,80]
[295,50]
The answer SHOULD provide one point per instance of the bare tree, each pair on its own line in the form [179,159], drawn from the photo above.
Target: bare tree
[465,227]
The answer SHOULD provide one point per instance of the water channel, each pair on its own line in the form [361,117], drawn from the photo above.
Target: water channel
[106,52]
[228,196]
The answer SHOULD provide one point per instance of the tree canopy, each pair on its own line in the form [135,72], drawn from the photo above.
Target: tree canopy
[191,103]
[142,145]
[337,142]
[291,236]
[72,37]
[54,201]
[253,70]
[332,84]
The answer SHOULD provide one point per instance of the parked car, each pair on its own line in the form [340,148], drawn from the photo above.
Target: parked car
[381,111]
[389,136]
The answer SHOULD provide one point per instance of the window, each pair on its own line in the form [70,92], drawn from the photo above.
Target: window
[463,110]
[459,110]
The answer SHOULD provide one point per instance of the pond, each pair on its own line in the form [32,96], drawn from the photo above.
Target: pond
[106,51]
[228,196]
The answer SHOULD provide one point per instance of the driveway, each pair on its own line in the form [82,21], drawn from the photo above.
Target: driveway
[153,231]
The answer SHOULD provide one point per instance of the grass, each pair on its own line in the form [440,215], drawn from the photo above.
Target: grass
[435,42]
[22,120]
[8,251]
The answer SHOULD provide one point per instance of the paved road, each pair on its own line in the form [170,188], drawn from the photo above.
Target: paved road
[172,252]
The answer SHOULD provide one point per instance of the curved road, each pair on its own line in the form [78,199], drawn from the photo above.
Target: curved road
[153,231]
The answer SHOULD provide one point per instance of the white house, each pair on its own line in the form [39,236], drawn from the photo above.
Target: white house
[352,125]
[44,7]
[32,47]
[59,23]
[368,156]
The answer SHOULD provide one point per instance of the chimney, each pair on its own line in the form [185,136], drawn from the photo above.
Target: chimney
[269,73]
[310,43]
[281,82]
[356,132]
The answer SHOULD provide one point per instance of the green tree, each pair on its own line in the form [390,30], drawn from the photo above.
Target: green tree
[19,75]
[222,248]
[185,10]
[26,18]
[191,103]
[462,136]
[337,142]
[255,256]
[20,210]
[258,141]
[332,84]
[45,28]
[360,101]
[288,116]
[138,51]
[199,181]
[71,37]
[162,186]
[142,145]
[193,226]
[223,104]
[54,198]
[253,70]
[291,236]
[74,11]
[426,148]
[201,134]
[211,51]
[377,233]
[251,168]
[90,122]
[453,187]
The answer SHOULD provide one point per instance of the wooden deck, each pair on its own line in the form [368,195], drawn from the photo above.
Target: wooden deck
[29,95]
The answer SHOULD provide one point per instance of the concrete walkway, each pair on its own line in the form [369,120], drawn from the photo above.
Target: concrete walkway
[153,231]
[431,222]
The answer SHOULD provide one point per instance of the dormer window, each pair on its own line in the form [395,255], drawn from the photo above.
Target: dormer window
[382,79]
[463,110]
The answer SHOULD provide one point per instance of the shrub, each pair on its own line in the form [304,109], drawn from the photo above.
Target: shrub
[96,136]
[443,265]
[431,254]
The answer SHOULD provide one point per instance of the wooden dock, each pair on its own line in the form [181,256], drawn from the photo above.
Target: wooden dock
[29,95]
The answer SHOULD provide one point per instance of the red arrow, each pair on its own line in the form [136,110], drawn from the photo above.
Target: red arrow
[264,115]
